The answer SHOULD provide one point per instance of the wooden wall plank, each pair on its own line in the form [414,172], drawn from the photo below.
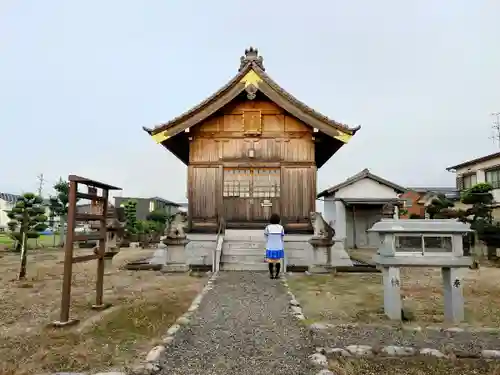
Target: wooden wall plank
[282,142]
[204,190]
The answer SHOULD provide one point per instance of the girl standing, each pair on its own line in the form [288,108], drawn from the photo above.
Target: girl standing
[274,234]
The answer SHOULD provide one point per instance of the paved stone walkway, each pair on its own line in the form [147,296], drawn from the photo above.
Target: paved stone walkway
[243,326]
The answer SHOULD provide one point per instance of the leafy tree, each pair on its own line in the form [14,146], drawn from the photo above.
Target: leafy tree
[58,206]
[479,216]
[480,197]
[130,208]
[149,231]
[440,208]
[27,221]
[53,213]
[161,218]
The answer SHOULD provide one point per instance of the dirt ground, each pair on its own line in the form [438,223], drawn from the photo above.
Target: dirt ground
[414,366]
[358,297]
[145,303]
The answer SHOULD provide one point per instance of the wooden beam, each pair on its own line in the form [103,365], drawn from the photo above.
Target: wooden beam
[88,217]
[92,197]
[88,237]
[84,258]
[88,182]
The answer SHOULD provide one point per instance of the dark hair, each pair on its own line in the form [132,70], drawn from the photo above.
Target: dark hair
[275,219]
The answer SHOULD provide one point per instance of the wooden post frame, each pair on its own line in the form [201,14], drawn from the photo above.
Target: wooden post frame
[71,238]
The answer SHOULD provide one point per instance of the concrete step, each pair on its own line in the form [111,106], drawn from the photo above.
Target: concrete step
[249,266]
[243,252]
[252,258]
[244,235]
[244,245]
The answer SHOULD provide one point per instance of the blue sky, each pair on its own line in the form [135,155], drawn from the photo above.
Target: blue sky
[79,79]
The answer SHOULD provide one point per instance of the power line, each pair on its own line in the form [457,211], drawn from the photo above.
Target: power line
[495,127]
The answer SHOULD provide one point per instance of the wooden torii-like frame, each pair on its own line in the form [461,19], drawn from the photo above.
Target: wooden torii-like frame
[72,237]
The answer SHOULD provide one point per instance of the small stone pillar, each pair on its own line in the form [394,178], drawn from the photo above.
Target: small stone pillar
[453,295]
[176,259]
[392,292]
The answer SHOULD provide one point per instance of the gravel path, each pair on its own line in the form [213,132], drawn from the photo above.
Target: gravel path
[380,336]
[243,327]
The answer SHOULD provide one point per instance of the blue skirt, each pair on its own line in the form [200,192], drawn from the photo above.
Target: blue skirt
[275,254]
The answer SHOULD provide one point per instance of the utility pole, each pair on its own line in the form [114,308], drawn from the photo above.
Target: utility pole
[41,182]
[495,127]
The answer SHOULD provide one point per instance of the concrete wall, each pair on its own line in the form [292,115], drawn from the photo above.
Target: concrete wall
[366,188]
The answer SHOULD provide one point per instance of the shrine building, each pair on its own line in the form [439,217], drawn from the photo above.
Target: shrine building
[252,149]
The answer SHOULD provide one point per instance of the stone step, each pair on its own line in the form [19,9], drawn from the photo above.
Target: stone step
[294,253]
[256,258]
[244,245]
[249,266]
[244,235]
[243,252]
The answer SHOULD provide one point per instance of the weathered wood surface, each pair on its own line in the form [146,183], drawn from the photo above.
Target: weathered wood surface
[249,161]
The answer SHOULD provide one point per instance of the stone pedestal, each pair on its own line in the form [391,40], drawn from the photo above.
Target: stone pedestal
[392,292]
[327,254]
[338,254]
[319,255]
[176,259]
[108,258]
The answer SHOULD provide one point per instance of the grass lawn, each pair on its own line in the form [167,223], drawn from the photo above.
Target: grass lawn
[358,297]
[145,304]
[413,366]
[42,241]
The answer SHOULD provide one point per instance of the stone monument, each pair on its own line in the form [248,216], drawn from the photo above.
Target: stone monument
[327,253]
[115,229]
[176,241]
[422,243]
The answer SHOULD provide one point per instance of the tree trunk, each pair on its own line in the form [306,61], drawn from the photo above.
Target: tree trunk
[24,253]
[62,230]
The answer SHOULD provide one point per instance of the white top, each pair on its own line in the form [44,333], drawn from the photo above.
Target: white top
[274,237]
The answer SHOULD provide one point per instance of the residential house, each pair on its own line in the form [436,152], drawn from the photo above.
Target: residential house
[353,206]
[483,169]
[416,199]
[148,205]
[7,202]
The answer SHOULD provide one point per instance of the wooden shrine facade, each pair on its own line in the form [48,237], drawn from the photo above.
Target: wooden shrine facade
[252,149]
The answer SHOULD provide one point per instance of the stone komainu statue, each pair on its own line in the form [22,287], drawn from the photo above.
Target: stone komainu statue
[322,230]
[176,227]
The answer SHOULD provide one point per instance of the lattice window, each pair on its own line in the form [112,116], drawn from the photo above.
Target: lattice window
[266,183]
[252,183]
[237,183]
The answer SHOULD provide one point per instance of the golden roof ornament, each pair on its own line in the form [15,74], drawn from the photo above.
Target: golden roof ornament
[251,56]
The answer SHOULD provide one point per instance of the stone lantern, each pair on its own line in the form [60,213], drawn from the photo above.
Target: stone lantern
[422,243]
